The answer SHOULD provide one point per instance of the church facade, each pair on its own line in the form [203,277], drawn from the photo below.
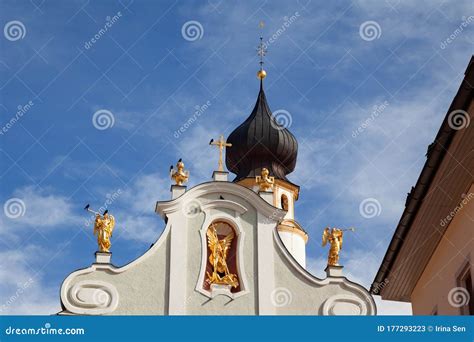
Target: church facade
[230,247]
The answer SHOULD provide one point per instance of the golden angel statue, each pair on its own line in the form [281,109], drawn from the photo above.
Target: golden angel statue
[218,258]
[264,181]
[103,228]
[334,237]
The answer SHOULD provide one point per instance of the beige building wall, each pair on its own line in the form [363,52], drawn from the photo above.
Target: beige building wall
[454,252]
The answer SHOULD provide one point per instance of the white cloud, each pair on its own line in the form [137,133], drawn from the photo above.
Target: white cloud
[22,289]
[144,192]
[200,158]
[135,208]
[41,210]
[382,162]
[143,228]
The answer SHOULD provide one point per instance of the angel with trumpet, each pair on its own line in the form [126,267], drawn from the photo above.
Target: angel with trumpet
[334,237]
[103,227]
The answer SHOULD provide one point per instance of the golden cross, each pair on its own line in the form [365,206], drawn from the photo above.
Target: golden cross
[221,143]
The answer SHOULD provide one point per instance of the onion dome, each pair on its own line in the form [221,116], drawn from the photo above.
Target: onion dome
[261,142]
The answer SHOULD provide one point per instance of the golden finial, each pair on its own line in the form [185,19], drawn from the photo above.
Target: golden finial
[334,237]
[261,51]
[180,175]
[221,143]
[264,181]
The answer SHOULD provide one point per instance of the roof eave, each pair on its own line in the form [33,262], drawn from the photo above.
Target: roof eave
[435,157]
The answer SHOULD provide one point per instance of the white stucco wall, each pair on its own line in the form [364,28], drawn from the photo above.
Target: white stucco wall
[167,278]
[141,286]
[295,244]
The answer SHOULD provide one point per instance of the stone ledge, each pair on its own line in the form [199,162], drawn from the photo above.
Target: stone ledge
[334,271]
[103,257]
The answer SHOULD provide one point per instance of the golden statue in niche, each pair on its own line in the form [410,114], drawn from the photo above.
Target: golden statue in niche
[264,181]
[103,228]
[218,258]
[334,237]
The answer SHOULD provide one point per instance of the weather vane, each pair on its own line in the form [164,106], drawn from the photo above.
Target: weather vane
[221,143]
[261,52]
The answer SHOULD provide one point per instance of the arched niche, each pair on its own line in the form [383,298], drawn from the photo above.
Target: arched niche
[227,235]
[235,256]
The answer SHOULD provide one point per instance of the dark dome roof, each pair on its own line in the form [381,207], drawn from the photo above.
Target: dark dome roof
[261,142]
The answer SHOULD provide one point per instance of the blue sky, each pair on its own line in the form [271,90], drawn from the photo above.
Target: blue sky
[363,85]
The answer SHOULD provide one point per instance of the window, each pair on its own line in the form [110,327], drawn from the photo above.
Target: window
[284,202]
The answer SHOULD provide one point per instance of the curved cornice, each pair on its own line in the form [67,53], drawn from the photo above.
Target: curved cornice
[272,213]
